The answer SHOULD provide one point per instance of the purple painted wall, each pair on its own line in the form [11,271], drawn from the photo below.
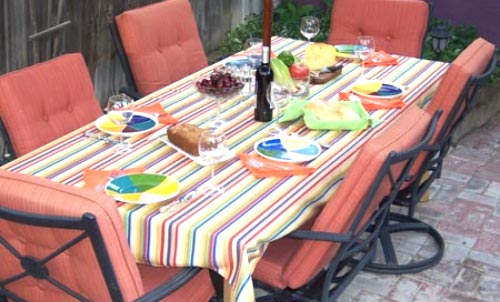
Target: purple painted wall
[484,14]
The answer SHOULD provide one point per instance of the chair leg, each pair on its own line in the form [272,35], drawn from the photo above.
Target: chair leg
[390,264]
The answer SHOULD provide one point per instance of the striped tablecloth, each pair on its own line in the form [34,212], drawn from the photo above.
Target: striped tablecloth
[226,233]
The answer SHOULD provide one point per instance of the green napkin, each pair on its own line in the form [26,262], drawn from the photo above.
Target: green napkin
[362,122]
[294,110]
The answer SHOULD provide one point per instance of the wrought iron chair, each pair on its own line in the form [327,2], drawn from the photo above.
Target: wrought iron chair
[44,101]
[158,44]
[455,97]
[60,243]
[313,264]
[399,26]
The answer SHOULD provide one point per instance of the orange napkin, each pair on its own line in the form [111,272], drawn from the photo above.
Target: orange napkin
[97,179]
[373,104]
[380,58]
[263,167]
[163,116]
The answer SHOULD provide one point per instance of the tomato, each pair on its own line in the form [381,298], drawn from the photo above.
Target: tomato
[299,70]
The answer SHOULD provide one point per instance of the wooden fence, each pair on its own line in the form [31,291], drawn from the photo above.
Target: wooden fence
[32,31]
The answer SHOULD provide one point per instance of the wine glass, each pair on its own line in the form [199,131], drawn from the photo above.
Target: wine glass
[213,149]
[279,97]
[253,50]
[219,85]
[120,112]
[364,47]
[309,27]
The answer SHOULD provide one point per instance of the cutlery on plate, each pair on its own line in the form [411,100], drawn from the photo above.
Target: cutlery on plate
[157,134]
[99,137]
[184,198]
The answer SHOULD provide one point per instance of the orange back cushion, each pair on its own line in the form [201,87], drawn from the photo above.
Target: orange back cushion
[338,214]
[399,26]
[162,43]
[77,268]
[42,102]
[476,57]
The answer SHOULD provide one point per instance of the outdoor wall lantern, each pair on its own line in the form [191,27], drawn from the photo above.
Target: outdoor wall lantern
[441,35]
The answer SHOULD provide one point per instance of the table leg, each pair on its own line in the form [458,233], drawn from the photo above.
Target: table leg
[223,292]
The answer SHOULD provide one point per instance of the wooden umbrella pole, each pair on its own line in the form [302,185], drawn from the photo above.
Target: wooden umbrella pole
[267,23]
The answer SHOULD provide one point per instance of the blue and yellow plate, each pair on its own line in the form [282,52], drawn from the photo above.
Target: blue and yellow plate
[143,188]
[288,149]
[140,123]
[378,89]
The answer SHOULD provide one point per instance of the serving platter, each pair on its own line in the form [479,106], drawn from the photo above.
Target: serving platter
[288,149]
[143,188]
[198,159]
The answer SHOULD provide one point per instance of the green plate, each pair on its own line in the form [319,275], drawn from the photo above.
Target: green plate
[143,188]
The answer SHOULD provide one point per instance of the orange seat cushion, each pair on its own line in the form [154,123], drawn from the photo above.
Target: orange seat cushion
[399,26]
[44,101]
[292,263]
[77,267]
[162,43]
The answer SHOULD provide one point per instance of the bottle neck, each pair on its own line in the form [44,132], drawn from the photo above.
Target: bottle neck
[265,54]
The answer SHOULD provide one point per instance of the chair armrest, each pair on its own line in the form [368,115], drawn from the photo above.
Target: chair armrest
[170,286]
[131,93]
[321,236]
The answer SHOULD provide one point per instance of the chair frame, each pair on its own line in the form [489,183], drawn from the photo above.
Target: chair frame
[412,194]
[356,242]
[8,153]
[88,225]
[131,90]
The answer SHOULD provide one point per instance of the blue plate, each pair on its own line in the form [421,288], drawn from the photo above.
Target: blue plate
[288,149]
[240,62]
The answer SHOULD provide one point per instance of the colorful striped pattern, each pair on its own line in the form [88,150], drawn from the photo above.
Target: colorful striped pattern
[226,233]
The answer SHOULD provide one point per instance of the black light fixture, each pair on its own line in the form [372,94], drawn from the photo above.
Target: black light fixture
[441,35]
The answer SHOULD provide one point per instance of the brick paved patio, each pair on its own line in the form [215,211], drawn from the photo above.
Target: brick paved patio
[465,208]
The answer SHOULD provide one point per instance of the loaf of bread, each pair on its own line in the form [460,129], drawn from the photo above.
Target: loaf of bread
[329,111]
[319,55]
[186,137]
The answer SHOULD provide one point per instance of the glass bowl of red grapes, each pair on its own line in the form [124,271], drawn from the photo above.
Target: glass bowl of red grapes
[219,84]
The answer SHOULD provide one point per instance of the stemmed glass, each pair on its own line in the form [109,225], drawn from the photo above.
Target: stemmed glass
[213,149]
[219,85]
[278,96]
[120,112]
[363,49]
[253,49]
[309,27]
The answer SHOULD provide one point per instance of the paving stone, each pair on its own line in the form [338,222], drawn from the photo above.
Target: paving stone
[493,190]
[479,198]
[490,259]
[455,252]
[405,290]
[489,289]
[429,293]
[444,273]
[457,297]
[377,284]
[366,296]
[465,218]
[466,281]
[488,243]
[477,185]
[484,268]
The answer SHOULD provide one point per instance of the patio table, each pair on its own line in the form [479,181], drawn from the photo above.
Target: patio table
[227,233]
